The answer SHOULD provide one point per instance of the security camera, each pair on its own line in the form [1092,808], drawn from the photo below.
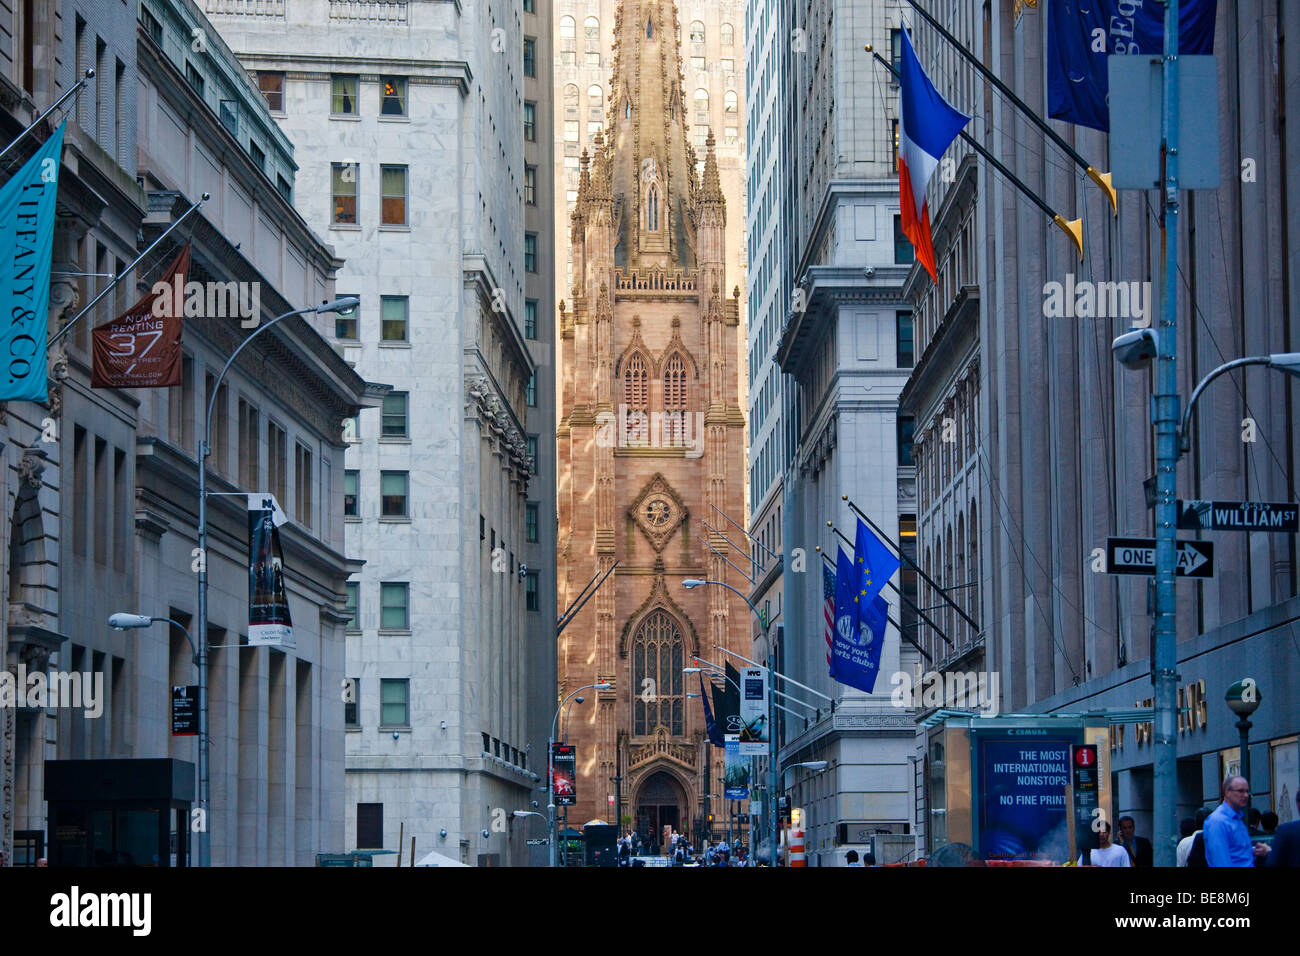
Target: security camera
[395,735]
[1136,347]
[536,804]
[486,835]
[443,833]
[523,570]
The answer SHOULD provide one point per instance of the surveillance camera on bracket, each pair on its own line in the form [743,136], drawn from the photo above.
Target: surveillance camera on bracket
[1137,347]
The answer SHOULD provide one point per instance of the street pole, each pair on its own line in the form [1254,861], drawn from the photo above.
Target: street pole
[772,813]
[1243,728]
[1165,415]
[550,798]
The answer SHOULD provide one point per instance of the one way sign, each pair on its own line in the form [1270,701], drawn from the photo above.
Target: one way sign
[1138,556]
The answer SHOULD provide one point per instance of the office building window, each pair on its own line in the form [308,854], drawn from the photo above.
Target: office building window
[532,597]
[393,487]
[530,319]
[283,188]
[345,323]
[530,252]
[393,311]
[370,826]
[249,445]
[905,340]
[530,521]
[258,155]
[194,78]
[392,184]
[727,34]
[530,185]
[530,6]
[353,605]
[352,708]
[351,492]
[303,474]
[905,427]
[530,122]
[393,614]
[532,452]
[343,95]
[393,89]
[530,391]
[152,26]
[344,177]
[530,57]
[394,415]
[394,702]
[272,87]
[571,129]
[896,53]
[230,115]
[904,254]
[698,63]
[277,461]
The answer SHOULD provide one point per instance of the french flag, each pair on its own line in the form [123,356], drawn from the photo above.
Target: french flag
[928,125]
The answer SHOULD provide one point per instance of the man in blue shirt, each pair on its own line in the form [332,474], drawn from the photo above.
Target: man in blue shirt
[1227,840]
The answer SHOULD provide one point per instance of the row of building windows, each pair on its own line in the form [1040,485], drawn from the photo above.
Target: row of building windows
[394,316]
[345,93]
[345,181]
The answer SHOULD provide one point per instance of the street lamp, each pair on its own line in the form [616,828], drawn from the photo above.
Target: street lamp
[691,583]
[1243,697]
[123,621]
[1288,362]
[550,767]
[205,449]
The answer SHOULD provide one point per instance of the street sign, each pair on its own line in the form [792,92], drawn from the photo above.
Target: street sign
[1084,793]
[185,711]
[1138,556]
[1238,516]
[539,842]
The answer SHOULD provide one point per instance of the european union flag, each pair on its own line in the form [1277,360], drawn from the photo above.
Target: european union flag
[856,644]
[876,564]
[26,244]
[1082,33]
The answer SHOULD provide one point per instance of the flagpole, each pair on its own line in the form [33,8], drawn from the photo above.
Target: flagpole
[1101,179]
[901,633]
[889,584]
[1072,228]
[67,326]
[903,555]
[90,74]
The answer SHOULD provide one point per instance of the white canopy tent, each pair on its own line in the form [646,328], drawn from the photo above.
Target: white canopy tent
[437,859]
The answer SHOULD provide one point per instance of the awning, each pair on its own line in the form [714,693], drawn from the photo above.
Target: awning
[437,859]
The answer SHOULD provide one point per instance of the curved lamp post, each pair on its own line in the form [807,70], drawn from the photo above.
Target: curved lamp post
[205,449]
[690,583]
[550,769]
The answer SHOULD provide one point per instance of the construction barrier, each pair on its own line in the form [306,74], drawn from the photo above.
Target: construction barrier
[797,855]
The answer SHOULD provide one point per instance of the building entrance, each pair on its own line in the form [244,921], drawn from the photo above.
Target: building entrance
[659,804]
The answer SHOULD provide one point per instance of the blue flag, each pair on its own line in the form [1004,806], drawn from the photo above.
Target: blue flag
[1082,33]
[876,564]
[26,245]
[856,646]
[711,726]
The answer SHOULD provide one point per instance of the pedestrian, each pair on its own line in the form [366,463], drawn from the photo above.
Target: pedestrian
[851,858]
[1196,850]
[1268,822]
[1107,854]
[1186,833]
[1286,843]
[1227,840]
[1139,848]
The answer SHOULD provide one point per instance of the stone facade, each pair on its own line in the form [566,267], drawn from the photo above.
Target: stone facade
[651,439]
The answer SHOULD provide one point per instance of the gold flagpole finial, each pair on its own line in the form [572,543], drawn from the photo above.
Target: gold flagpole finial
[1104,181]
[1073,229]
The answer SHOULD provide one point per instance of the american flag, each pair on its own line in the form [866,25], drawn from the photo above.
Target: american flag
[828,598]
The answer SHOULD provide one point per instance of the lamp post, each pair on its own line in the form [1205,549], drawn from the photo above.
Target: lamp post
[123,621]
[550,768]
[771,702]
[205,449]
[1243,697]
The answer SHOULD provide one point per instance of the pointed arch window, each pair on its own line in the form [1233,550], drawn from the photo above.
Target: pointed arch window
[635,394]
[649,28]
[657,655]
[675,400]
[652,208]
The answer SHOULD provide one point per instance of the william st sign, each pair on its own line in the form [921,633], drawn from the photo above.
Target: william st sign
[1238,516]
[1138,556]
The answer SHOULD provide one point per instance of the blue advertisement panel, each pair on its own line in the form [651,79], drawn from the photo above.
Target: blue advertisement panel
[736,778]
[1022,778]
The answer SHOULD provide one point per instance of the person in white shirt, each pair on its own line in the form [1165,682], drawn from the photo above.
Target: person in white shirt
[1108,854]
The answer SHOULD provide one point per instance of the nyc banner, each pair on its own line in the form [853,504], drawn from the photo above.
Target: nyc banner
[26,244]
[268,604]
[1082,33]
[141,348]
[755,735]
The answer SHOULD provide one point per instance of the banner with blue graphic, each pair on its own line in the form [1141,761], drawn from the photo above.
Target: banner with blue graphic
[858,638]
[26,245]
[876,564]
[1082,33]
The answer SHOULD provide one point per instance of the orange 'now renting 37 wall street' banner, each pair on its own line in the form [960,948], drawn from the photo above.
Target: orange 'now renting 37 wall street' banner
[141,348]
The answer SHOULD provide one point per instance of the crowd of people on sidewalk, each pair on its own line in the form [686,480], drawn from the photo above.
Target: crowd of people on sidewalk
[631,848]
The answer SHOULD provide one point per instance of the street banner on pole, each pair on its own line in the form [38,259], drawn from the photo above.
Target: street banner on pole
[736,775]
[755,734]
[711,727]
[141,348]
[268,603]
[27,204]
[564,764]
[185,710]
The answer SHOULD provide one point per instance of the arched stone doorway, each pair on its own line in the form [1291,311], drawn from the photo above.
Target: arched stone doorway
[660,802]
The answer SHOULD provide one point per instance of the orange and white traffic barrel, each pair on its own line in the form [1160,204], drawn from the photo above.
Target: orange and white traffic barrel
[797,855]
